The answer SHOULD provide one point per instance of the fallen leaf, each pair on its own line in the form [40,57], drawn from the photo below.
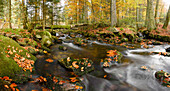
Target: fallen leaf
[49,60]
[6,86]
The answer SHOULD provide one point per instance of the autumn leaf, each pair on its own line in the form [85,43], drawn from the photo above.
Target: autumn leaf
[6,86]
[73,79]
[75,65]
[13,85]
[45,52]
[112,53]
[105,76]
[144,67]
[68,59]
[49,60]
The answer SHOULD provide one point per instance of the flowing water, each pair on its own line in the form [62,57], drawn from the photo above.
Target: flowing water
[126,76]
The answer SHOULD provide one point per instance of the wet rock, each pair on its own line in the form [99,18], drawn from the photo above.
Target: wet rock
[46,41]
[63,48]
[79,66]
[59,41]
[124,40]
[139,34]
[139,40]
[8,62]
[163,77]
[38,36]
[114,57]
[167,49]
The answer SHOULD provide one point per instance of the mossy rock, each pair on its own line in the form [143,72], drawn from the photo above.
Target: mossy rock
[79,66]
[8,50]
[46,41]
[56,83]
[130,36]
[111,60]
[63,48]
[163,77]
[124,40]
[39,34]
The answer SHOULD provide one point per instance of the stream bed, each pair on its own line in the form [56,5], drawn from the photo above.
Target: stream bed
[126,76]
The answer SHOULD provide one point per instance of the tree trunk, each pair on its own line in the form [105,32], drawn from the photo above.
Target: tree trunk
[167,19]
[10,14]
[85,12]
[147,13]
[156,12]
[24,14]
[93,19]
[113,13]
[161,13]
[151,20]
[36,13]
[52,15]
[43,15]
[118,17]
[138,16]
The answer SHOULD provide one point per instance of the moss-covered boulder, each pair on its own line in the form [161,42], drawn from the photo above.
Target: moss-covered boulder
[46,41]
[114,57]
[14,60]
[80,42]
[163,77]
[63,48]
[79,66]
[124,40]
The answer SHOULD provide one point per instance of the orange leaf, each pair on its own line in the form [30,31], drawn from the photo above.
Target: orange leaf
[6,86]
[49,60]
[75,65]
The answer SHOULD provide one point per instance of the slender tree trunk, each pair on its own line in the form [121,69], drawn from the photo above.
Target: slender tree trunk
[167,19]
[156,12]
[113,13]
[147,13]
[36,13]
[85,12]
[52,15]
[43,15]
[160,16]
[151,20]
[118,17]
[138,16]
[93,19]
[10,14]
[24,14]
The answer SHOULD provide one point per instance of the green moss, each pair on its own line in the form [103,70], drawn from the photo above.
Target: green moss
[79,66]
[8,67]
[60,27]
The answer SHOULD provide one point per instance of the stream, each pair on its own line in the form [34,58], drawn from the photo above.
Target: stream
[126,76]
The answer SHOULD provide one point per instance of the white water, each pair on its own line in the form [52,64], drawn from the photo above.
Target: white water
[73,46]
[143,79]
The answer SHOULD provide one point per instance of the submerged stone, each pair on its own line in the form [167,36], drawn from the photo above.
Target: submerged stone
[63,48]
[79,66]
[167,49]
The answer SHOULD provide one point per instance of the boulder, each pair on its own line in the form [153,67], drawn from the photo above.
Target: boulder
[79,66]
[46,41]
[63,48]
[167,49]
[10,50]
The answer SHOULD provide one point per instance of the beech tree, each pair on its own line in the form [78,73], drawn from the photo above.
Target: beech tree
[113,16]
[150,21]
[167,19]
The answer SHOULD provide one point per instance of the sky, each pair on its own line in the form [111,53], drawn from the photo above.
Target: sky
[167,3]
